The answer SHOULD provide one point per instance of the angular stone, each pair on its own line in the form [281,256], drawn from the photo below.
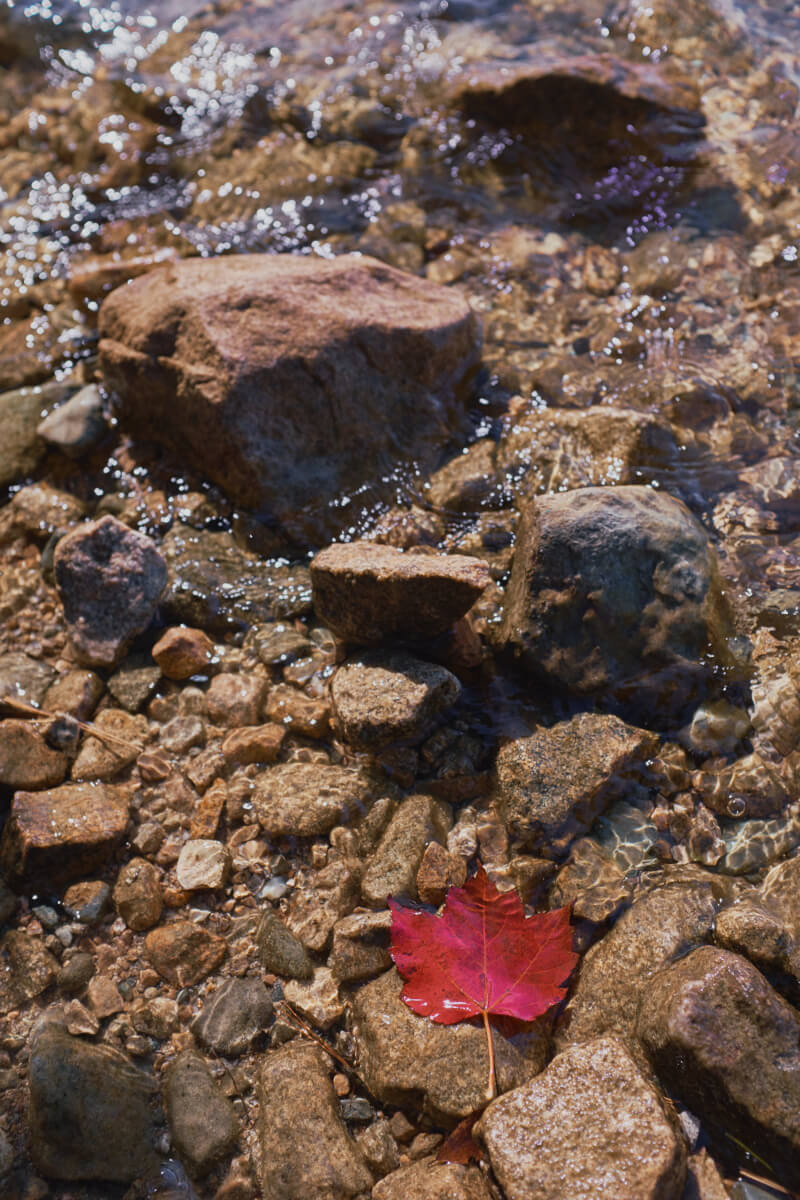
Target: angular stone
[361,945]
[306,1152]
[392,869]
[135,682]
[101,759]
[764,924]
[314,909]
[279,951]
[37,511]
[318,1000]
[306,799]
[380,698]
[109,579]
[75,692]
[234,700]
[182,652]
[660,926]
[404,1057]
[254,744]
[104,997]
[202,1121]
[203,863]
[438,871]
[269,378]
[297,712]
[156,1018]
[182,734]
[551,786]
[26,760]
[429,1180]
[24,678]
[77,424]
[727,1045]
[365,592]
[91,1114]
[616,591]
[590,1125]
[233,1016]
[184,953]
[87,901]
[63,833]
[138,896]
[27,968]
[20,414]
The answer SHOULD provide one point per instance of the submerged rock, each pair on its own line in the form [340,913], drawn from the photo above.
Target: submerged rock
[285,378]
[616,592]
[305,799]
[365,592]
[110,580]
[380,698]
[77,425]
[429,1180]
[590,1125]
[202,1120]
[727,1045]
[552,785]
[91,1112]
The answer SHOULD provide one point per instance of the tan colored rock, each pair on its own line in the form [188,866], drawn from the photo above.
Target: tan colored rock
[208,810]
[315,908]
[551,786]
[76,692]
[234,700]
[100,759]
[253,744]
[392,869]
[26,761]
[404,1057]
[62,833]
[202,1120]
[723,1041]
[184,953]
[318,999]
[182,652]
[306,799]
[617,971]
[360,946]
[703,1181]
[279,951]
[203,863]
[381,697]
[298,713]
[104,997]
[138,896]
[365,592]
[306,1152]
[429,1180]
[764,924]
[27,968]
[282,387]
[591,1124]
[437,872]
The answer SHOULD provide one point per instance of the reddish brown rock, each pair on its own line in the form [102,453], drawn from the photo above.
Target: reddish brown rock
[183,652]
[283,378]
[184,953]
[26,760]
[62,833]
[380,698]
[365,592]
[297,712]
[437,872]
[234,700]
[109,579]
[137,894]
[253,744]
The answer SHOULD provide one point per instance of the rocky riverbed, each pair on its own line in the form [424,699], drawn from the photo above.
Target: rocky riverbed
[399,471]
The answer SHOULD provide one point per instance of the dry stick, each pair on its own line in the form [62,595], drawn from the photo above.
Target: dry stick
[30,710]
[321,1041]
[492,1087]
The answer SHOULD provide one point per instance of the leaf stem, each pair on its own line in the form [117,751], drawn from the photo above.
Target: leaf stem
[492,1087]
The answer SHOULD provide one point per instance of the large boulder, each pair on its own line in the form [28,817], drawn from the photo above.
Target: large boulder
[288,380]
[616,592]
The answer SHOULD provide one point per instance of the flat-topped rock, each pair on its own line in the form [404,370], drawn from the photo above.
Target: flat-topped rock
[284,378]
[590,1125]
[365,592]
[306,799]
[380,698]
[62,833]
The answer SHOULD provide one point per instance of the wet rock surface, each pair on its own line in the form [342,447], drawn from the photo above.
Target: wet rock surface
[202,1121]
[591,1122]
[301,344]
[383,698]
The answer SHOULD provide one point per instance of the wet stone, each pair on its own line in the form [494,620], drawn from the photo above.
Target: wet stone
[104,997]
[109,579]
[87,901]
[764,924]
[552,785]
[134,683]
[392,869]
[279,951]
[20,415]
[438,871]
[156,1018]
[181,652]
[314,910]
[233,1016]
[254,744]
[360,946]
[38,510]
[318,999]
[103,759]
[203,863]
[24,678]
[726,1044]
[62,833]
[76,693]
[306,1151]
[380,698]
[623,551]
[138,896]
[308,799]
[201,1119]
[26,761]
[77,424]
[234,700]
[403,1057]
[590,1124]
[660,926]
[75,973]
[184,953]
[297,712]
[27,968]
[365,592]
[182,733]
[91,1114]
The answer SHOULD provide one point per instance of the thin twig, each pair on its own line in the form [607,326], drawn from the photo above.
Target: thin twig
[320,1041]
[30,710]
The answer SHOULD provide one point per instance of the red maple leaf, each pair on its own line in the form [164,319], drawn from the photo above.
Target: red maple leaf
[482,956]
